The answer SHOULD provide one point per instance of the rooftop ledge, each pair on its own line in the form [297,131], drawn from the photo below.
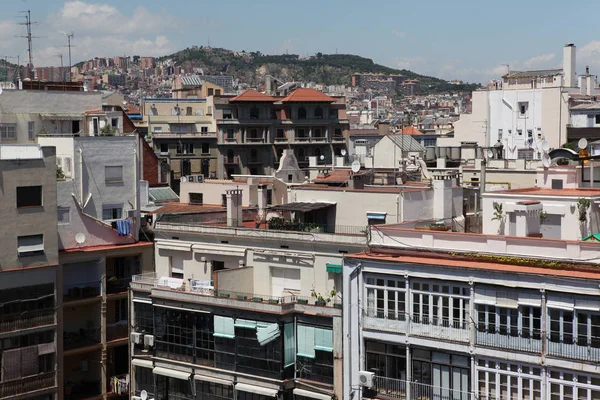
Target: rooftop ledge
[563,252]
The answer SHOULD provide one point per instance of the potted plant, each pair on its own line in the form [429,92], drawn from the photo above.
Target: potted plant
[302,301]
[319,299]
[273,301]
[499,216]
[257,299]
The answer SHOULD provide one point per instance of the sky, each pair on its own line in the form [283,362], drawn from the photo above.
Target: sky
[470,40]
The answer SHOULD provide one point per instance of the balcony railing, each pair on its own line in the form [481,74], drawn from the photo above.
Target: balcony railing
[18,387]
[531,343]
[81,338]
[585,350]
[437,328]
[399,389]
[255,140]
[27,320]
[80,291]
[116,331]
[284,225]
[117,285]
[187,134]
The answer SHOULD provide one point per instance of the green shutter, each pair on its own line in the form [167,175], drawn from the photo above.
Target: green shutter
[323,339]
[268,334]
[224,327]
[335,268]
[289,342]
[245,323]
[306,341]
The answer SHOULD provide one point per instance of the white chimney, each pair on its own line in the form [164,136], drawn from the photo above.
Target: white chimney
[234,207]
[262,198]
[442,198]
[569,65]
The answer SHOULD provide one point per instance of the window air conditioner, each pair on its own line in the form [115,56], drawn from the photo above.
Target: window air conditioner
[366,379]
[149,340]
[137,338]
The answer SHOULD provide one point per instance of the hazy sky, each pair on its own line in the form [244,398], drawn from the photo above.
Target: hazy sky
[464,39]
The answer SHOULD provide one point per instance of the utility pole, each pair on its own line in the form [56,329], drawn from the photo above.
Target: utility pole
[29,37]
[69,37]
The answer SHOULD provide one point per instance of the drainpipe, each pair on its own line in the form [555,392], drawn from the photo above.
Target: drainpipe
[80,177]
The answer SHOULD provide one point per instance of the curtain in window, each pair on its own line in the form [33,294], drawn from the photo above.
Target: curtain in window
[323,339]
[306,341]
[289,343]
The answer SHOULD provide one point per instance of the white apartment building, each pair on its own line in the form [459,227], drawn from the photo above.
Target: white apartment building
[446,315]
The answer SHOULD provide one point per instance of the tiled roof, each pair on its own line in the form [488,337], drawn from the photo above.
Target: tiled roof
[535,73]
[184,208]
[406,143]
[587,106]
[411,130]
[550,192]
[308,95]
[252,95]
[191,80]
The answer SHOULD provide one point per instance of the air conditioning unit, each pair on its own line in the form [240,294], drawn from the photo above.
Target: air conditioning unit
[137,338]
[366,379]
[149,340]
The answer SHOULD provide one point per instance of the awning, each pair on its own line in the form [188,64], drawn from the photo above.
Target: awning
[173,245]
[236,251]
[181,308]
[211,379]
[311,395]
[266,335]
[171,373]
[245,323]
[242,387]
[301,206]
[224,327]
[335,268]
[61,116]
[46,348]
[377,216]
[138,362]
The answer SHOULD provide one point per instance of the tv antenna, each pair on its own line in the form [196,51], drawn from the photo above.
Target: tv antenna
[69,38]
[29,36]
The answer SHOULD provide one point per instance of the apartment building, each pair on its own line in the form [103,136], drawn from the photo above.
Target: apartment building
[585,121]
[28,270]
[432,313]
[98,224]
[254,129]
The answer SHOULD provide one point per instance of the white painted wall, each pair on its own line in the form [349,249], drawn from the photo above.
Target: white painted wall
[64,151]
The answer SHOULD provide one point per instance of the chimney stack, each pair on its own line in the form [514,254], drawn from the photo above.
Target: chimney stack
[569,59]
[234,207]
[262,198]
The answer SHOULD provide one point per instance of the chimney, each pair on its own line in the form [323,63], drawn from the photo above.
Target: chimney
[528,218]
[442,197]
[234,207]
[569,65]
[268,85]
[262,198]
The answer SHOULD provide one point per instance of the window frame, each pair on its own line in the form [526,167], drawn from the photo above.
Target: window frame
[40,250]
[28,196]
[66,211]
[31,130]
[113,180]
[112,208]
[8,132]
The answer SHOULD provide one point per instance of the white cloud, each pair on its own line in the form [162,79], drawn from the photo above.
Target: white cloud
[589,55]
[539,61]
[398,33]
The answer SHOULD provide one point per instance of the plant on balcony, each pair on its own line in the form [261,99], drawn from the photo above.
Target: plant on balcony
[302,301]
[108,130]
[499,216]
[319,299]
[273,301]
[543,217]
[582,207]
[59,172]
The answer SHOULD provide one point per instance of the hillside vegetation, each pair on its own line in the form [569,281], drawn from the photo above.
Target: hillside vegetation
[329,69]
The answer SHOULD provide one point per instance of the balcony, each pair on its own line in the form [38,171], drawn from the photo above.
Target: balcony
[230,140]
[281,139]
[81,291]
[523,343]
[118,385]
[235,160]
[117,285]
[32,319]
[285,225]
[578,350]
[255,140]
[30,384]
[399,389]
[435,328]
[116,331]
[574,133]
[82,338]
[338,139]
[184,135]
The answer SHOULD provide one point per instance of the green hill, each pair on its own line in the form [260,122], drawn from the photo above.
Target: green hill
[329,69]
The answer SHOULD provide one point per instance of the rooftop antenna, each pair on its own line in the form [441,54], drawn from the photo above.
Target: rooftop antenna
[62,72]
[29,37]
[69,37]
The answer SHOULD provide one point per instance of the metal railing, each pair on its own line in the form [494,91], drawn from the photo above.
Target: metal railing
[117,285]
[276,224]
[437,328]
[116,332]
[400,389]
[531,343]
[81,338]
[231,160]
[30,319]
[79,291]
[14,388]
[586,349]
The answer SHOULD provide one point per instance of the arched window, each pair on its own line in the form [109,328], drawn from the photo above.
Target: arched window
[318,113]
[254,113]
[302,113]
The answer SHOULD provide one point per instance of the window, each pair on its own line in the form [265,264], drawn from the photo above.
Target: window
[64,215]
[227,113]
[217,92]
[429,142]
[113,174]
[121,310]
[597,119]
[254,113]
[337,133]
[525,154]
[8,132]
[209,110]
[224,200]
[200,112]
[30,245]
[523,107]
[440,304]
[188,111]
[112,213]
[557,184]
[211,92]
[29,196]
[31,130]
[185,148]
[386,297]
[510,381]
[195,198]
[318,113]
[164,147]
[230,134]
[302,113]
[520,132]
[157,129]
[518,322]
[333,113]
[68,165]
[280,133]
[529,133]
[204,129]
[205,148]
[114,122]
[386,360]
[568,386]
[318,133]
[95,126]
[500,132]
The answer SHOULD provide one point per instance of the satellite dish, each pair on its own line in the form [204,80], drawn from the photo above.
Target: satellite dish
[80,238]
[546,160]
[144,395]
[322,157]
[343,152]
[582,144]
[0,90]
[355,166]
[183,179]
[490,154]
[545,146]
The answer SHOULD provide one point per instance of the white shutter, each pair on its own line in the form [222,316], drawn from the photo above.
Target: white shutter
[587,304]
[530,299]
[485,296]
[507,299]
[560,303]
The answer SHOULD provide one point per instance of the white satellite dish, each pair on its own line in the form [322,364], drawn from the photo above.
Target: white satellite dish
[144,395]
[582,144]
[322,157]
[343,152]
[0,90]
[183,179]
[545,146]
[490,153]
[546,160]
[355,166]
[80,238]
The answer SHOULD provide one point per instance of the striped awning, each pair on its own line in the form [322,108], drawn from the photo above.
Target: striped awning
[61,116]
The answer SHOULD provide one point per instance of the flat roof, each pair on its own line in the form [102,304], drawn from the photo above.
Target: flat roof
[394,189]
[535,191]
[301,206]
